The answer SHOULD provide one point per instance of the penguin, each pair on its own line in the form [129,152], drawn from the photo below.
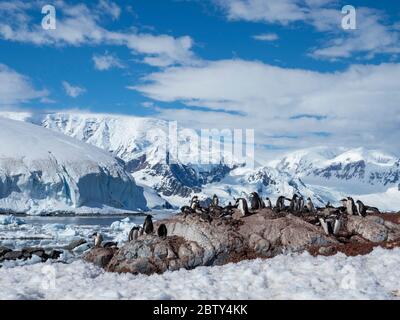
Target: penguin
[362,209]
[162,231]
[256,202]
[148,225]
[133,234]
[310,205]
[215,201]
[293,203]
[194,203]
[242,206]
[98,239]
[351,206]
[300,204]
[110,245]
[280,203]
[268,204]
[331,225]
[329,206]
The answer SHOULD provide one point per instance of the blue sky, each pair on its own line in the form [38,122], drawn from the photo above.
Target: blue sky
[285,68]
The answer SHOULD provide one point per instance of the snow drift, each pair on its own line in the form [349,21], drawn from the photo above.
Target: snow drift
[45,171]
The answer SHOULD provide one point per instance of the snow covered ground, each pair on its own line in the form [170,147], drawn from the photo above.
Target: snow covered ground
[374,276]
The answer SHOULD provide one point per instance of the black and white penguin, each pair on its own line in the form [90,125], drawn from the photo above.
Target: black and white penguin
[363,210]
[98,239]
[331,225]
[133,234]
[351,206]
[268,203]
[162,231]
[215,201]
[194,203]
[148,227]
[242,206]
[280,203]
[255,201]
[110,244]
[293,203]
[310,206]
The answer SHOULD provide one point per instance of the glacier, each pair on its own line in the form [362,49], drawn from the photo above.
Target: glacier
[42,171]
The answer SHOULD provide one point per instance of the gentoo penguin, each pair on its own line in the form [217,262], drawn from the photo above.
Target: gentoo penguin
[331,225]
[242,206]
[293,203]
[162,231]
[98,239]
[300,204]
[280,203]
[194,203]
[133,234]
[110,245]
[215,201]
[351,206]
[268,203]
[255,201]
[310,205]
[148,225]
[362,209]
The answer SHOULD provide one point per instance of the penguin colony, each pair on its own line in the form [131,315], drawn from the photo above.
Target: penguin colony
[329,218]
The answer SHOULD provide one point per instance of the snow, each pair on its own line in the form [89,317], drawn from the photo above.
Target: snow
[297,276]
[42,171]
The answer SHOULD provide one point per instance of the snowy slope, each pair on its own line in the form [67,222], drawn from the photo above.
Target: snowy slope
[282,277]
[44,171]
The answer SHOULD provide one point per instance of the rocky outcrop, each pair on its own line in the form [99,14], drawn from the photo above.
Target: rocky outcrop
[193,242]
[373,228]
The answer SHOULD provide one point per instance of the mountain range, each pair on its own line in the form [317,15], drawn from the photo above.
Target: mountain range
[323,173]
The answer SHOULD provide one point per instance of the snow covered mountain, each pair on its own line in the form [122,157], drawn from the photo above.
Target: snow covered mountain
[370,175]
[322,173]
[42,171]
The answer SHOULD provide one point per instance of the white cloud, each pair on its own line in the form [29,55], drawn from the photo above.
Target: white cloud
[73,91]
[81,25]
[359,106]
[271,11]
[106,62]
[16,88]
[373,36]
[266,37]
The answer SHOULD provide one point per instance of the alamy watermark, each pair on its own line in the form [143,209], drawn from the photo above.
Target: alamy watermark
[203,146]
[49,21]
[349,20]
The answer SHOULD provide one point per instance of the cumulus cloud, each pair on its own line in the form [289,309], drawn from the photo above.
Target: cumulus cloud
[16,88]
[73,91]
[358,106]
[81,24]
[266,37]
[106,62]
[373,35]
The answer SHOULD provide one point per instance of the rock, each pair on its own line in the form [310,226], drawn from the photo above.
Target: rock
[99,256]
[4,250]
[40,252]
[54,254]
[75,244]
[327,251]
[13,255]
[370,228]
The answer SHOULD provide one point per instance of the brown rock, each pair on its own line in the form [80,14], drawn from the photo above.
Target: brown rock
[99,256]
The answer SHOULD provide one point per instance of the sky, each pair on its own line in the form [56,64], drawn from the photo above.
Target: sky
[287,69]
